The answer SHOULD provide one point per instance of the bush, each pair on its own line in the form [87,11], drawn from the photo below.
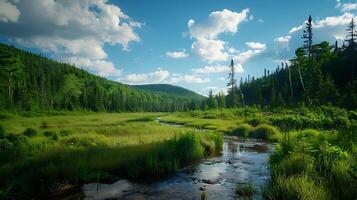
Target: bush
[265,132]
[242,130]
[255,121]
[30,132]
[64,133]
[49,133]
[56,137]
[2,132]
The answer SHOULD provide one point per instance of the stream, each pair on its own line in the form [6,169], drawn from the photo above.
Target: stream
[242,161]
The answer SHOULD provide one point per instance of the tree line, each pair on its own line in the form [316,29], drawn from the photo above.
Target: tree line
[35,83]
[318,74]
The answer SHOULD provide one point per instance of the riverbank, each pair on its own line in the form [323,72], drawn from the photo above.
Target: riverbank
[54,152]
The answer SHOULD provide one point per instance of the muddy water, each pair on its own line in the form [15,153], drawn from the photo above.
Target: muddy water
[242,161]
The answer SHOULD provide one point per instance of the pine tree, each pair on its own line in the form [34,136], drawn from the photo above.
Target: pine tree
[232,99]
[351,36]
[307,36]
[211,102]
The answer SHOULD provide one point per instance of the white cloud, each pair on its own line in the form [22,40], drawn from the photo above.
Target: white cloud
[215,90]
[210,50]
[330,28]
[187,78]
[282,39]
[177,54]
[8,11]
[218,69]
[211,69]
[217,22]
[74,31]
[295,29]
[244,56]
[256,45]
[153,77]
[349,7]
[207,45]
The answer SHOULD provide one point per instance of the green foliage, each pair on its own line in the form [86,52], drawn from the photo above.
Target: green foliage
[245,190]
[30,132]
[2,132]
[295,187]
[49,133]
[35,83]
[242,130]
[265,132]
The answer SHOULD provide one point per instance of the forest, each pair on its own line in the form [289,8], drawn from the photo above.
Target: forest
[35,83]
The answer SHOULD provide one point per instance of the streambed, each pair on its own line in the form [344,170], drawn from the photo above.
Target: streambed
[241,161]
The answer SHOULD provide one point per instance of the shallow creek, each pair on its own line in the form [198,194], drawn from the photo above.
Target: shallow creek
[241,161]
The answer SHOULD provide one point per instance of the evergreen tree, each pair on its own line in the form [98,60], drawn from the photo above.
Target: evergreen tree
[211,102]
[232,97]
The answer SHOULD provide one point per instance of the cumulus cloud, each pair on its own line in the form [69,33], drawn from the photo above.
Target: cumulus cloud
[282,39]
[210,50]
[330,28]
[218,69]
[177,54]
[187,78]
[244,56]
[256,45]
[8,11]
[207,45]
[74,31]
[153,77]
[163,76]
[217,22]
[215,90]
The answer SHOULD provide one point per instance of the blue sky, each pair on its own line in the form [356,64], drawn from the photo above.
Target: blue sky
[186,43]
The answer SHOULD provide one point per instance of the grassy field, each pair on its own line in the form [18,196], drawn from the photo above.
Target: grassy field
[42,154]
[315,155]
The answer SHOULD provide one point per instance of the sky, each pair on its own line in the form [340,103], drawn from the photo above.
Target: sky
[188,43]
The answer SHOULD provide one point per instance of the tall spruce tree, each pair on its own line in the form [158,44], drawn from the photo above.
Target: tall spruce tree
[232,98]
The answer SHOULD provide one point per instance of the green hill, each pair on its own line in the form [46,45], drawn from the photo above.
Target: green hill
[36,83]
[170,89]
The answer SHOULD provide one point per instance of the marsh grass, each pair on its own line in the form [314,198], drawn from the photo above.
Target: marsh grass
[79,150]
[245,190]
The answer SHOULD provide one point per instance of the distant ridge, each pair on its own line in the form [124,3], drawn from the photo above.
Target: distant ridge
[170,89]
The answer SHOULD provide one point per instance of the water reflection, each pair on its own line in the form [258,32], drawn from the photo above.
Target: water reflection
[242,161]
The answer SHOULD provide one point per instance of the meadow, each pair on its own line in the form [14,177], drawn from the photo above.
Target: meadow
[314,158]
[44,154]
[315,155]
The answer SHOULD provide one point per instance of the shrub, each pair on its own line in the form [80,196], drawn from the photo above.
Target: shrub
[64,133]
[265,132]
[255,121]
[242,130]
[49,133]
[6,145]
[56,137]
[30,132]
[308,133]
[2,132]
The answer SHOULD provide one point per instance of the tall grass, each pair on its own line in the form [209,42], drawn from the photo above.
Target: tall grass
[77,160]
